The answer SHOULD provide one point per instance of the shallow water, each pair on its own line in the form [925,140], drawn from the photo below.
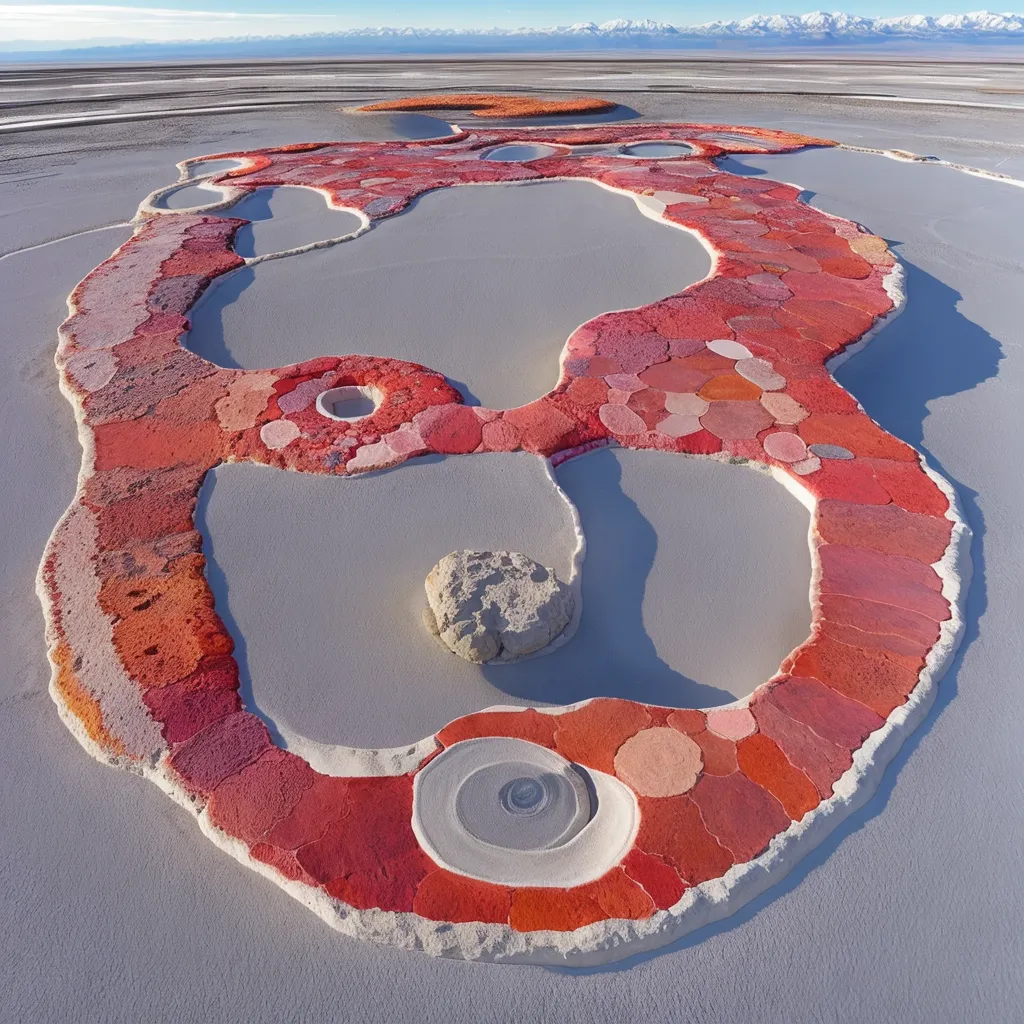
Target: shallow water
[665,150]
[202,168]
[190,196]
[518,153]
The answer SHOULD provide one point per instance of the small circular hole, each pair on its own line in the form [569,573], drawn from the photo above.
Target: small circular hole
[523,796]
[349,403]
[656,150]
[518,152]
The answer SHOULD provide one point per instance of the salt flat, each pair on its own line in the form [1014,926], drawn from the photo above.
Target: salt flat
[683,555]
[115,908]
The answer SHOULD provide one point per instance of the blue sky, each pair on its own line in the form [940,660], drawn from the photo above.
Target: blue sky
[190,19]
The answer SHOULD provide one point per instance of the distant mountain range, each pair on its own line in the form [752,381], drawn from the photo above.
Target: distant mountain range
[763,30]
[818,26]
[810,27]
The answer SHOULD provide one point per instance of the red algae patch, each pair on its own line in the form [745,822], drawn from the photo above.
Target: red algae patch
[733,368]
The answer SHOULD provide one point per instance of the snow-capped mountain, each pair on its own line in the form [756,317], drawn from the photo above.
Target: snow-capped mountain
[819,24]
[791,27]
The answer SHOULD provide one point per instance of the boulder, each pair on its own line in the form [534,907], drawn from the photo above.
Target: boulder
[495,605]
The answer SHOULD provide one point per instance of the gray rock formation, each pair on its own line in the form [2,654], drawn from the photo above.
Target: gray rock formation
[495,605]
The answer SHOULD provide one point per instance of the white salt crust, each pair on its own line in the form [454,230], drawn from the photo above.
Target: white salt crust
[609,940]
[592,852]
[232,195]
[913,158]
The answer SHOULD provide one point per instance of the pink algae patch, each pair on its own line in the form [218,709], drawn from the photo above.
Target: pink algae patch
[443,896]
[219,751]
[500,436]
[718,753]
[739,813]
[529,725]
[736,419]
[657,877]
[592,734]
[249,804]
[672,828]
[732,723]
[659,762]
[621,420]
[450,429]
[785,447]
[763,762]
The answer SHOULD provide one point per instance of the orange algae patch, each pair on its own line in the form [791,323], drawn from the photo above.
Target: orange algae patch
[443,896]
[615,895]
[484,104]
[146,606]
[80,703]
[529,725]
[761,760]
[730,387]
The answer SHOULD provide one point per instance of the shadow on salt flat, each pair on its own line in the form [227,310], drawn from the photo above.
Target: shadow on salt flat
[695,571]
[286,217]
[695,585]
[618,113]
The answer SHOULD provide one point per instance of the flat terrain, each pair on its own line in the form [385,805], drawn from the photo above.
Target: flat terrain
[114,906]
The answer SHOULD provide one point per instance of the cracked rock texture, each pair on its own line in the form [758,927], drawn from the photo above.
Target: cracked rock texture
[495,605]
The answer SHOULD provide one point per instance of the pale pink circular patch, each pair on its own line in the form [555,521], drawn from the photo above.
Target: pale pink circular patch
[806,466]
[730,349]
[501,436]
[679,426]
[278,433]
[786,410]
[621,420]
[405,441]
[659,762]
[785,447]
[628,382]
[685,403]
[760,372]
[732,723]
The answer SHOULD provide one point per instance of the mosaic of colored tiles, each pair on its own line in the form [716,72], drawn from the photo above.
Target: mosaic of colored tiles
[733,367]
